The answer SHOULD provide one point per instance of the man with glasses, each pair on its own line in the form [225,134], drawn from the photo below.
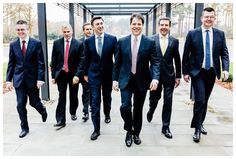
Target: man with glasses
[27,69]
[66,69]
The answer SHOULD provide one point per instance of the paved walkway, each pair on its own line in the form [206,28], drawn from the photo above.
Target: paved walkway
[74,139]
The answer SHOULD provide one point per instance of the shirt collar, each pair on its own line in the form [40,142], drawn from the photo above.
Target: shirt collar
[204,29]
[68,39]
[26,40]
[161,36]
[138,37]
[96,36]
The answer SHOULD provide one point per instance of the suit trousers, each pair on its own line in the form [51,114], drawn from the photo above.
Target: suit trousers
[22,93]
[85,96]
[96,102]
[155,96]
[203,84]
[62,81]
[132,119]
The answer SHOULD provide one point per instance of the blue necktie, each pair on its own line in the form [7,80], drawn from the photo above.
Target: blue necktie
[99,46]
[207,51]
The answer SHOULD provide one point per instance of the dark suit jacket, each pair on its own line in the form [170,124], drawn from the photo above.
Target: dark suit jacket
[123,63]
[29,68]
[99,69]
[194,52]
[166,63]
[75,59]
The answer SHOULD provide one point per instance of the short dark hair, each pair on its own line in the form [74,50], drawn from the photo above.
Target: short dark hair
[164,18]
[95,18]
[21,22]
[87,23]
[137,15]
[209,9]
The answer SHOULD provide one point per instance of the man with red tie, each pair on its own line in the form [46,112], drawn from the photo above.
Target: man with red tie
[66,66]
[27,69]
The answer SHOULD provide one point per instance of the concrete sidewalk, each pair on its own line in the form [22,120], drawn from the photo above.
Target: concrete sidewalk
[74,139]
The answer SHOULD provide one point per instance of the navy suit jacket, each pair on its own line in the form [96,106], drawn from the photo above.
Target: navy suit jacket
[194,52]
[99,69]
[29,68]
[146,55]
[75,59]
[168,73]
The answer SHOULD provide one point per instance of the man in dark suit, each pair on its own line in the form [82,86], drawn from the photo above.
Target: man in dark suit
[66,69]
[205,46]
[168,48]
[133,54]
[27,69]
[88,31]
[99,50]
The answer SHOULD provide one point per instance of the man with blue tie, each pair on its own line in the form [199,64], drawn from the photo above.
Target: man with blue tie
[99,50]
[27,69]
[204,50]
[134,54]
[168,48]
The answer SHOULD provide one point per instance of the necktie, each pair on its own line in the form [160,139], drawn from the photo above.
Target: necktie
[134,55]
[66,68]
[23,47]
[207,51]
[163,45]
[99,46]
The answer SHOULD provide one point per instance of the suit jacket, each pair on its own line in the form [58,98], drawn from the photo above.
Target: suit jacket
[29,68]
[99,69]
[75,59]
[123,63]
[167,72]
[194,52]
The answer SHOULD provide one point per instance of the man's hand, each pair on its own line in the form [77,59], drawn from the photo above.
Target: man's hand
[115,86]
[225,75]
[187,78]
[9,86]
[53,81]
[154,85]
[75,80]
[177,82]
[39,84]
[86,78]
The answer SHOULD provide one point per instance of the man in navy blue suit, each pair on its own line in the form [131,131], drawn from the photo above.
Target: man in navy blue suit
[168,48]
[204,50]
[99,50]
[27,69]
[133,76]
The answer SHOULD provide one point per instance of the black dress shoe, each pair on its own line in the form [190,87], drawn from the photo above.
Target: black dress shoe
[107,119]
[137,140]
[23,133]
[95,135]
[44,115]
[128,139]
[85,117]
[73,117]
[203,130]
[149,116]
[167,133]
[59,124]
[197,135]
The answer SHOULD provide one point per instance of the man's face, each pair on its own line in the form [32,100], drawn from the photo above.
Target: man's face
[98,26]
[136,26]
[164,27]
[22,30]
[67,32]
[88,30]
[208,19]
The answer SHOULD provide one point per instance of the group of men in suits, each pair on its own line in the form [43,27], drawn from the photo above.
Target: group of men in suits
[141,63]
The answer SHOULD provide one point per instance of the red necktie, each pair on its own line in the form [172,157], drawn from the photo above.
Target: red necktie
[134,55]
[23,47]
[66,56]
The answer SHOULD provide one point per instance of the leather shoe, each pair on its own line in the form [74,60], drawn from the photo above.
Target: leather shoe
[107,119]
[73,117]
[23,133]
[128,139]
[59,124]
[95,135]
[44,115]
[203,130]
[197,135]
[149,116]
[137,140]
[85,117]
[167,133]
